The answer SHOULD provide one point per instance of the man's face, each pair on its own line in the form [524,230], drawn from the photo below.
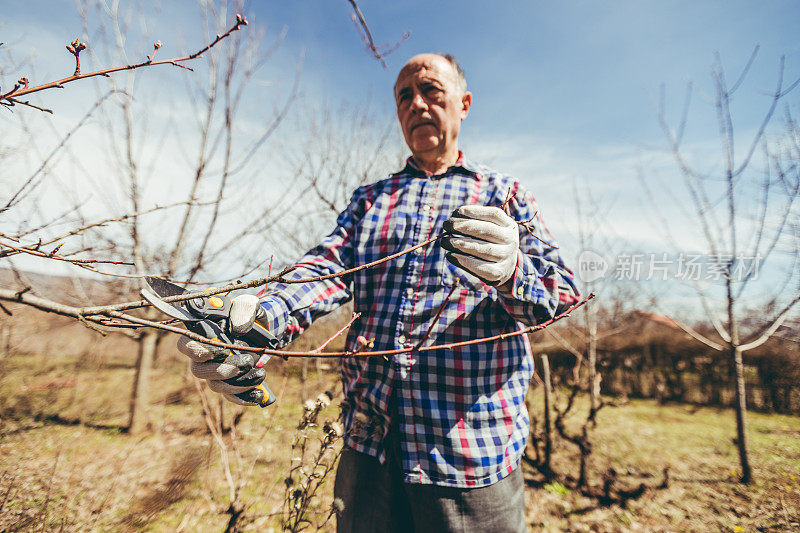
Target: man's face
[430,105]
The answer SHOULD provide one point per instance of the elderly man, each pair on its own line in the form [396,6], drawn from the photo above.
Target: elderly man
[433,439]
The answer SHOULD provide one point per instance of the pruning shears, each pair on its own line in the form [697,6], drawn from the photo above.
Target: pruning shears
[208,316]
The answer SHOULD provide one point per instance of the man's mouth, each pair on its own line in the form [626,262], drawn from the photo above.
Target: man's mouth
[415,126]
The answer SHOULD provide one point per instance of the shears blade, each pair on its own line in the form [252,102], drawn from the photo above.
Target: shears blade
[208,317]
[170,310]
[163,288]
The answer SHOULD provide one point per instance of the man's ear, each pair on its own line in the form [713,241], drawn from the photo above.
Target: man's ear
[466,103]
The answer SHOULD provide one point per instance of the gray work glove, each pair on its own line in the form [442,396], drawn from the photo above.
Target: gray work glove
[483,240]
[228,373]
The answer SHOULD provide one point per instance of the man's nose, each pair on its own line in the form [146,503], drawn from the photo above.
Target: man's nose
[418,103]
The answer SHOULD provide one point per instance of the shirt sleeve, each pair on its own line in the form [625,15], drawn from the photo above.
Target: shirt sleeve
[292,307]
[542,286]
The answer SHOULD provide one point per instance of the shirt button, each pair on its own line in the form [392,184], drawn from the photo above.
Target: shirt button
[426,207]
[520,290]
[401,339]
[410,292]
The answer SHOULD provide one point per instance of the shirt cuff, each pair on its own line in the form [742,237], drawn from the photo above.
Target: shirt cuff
[517,288]
[277,315]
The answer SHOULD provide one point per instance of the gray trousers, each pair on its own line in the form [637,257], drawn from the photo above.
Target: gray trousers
[375,498]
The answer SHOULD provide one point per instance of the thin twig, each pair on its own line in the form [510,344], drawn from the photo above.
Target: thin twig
[52,255]
[65,310]
[436,318]
[335,335]
[279,277]
[55,150]
[17,91]
[366,35]
[109,220]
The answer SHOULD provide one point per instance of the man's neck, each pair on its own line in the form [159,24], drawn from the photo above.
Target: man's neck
[438,163]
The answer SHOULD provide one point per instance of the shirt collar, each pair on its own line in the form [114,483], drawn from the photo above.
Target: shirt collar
[462,163]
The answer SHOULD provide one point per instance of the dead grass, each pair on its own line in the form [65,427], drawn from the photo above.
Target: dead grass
[642,437]
[107,480]
[65,462]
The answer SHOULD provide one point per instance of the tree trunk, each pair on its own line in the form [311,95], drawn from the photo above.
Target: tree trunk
[741,410]
[304,379]
[680,384]
[592,348]
[221,417]
[716,388]
[548,438]
[5,339]
[140,397]
[318,364]
[586,450]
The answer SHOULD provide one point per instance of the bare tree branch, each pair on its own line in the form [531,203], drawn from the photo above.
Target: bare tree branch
[17,195]
[20,90]
[45,304]
[381,51]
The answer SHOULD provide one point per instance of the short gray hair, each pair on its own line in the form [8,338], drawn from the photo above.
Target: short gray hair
[460,78]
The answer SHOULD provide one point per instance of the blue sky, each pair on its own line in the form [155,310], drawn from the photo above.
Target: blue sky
[564,92]
[585,71]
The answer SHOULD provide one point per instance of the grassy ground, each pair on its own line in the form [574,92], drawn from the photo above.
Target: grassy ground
[65,462]
[640,438]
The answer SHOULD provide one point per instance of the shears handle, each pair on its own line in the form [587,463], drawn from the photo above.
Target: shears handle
[259,336]
[261,393]
[217,308]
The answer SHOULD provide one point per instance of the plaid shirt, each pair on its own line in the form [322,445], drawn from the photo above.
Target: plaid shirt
[461,414]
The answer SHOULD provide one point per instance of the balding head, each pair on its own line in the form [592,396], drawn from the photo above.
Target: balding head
[432,100]
[430,59]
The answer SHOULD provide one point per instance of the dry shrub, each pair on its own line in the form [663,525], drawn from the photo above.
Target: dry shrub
[315,452]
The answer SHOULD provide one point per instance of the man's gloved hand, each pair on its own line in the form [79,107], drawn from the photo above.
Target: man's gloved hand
[483,240]
[231,374]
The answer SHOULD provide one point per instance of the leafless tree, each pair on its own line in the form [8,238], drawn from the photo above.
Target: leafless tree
[334,149]
[597,243]
[214,174]
[132,164]
[744,211]
[121,225]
